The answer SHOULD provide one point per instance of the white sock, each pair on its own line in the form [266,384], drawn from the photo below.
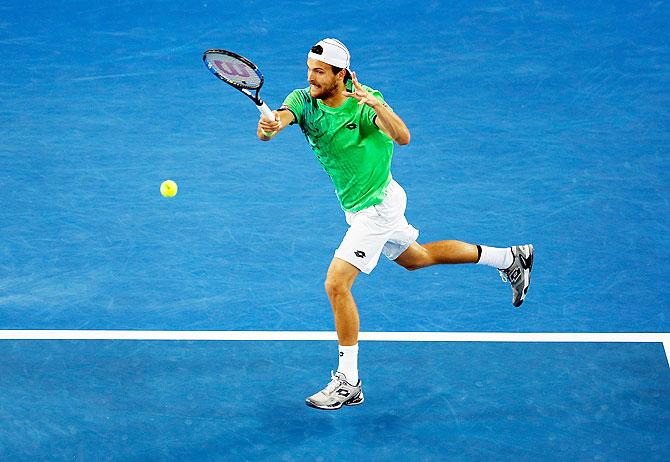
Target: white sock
[349,363]
[495,257]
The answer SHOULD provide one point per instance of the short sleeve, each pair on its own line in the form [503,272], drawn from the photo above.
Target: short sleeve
[295,102]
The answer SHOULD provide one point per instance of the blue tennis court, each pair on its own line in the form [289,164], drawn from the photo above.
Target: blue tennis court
[544,122]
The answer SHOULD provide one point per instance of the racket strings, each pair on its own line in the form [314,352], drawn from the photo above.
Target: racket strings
[234,71]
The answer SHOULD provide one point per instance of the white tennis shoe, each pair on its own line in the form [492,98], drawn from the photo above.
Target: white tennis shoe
[337,393]
[518,274]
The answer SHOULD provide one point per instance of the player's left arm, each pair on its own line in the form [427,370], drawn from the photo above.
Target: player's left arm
[387,120]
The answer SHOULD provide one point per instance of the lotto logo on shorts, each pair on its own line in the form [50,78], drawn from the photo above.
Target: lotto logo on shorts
[359,254]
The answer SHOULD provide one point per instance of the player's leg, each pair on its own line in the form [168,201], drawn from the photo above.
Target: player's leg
[419,256]
[358,253]
[339,280]
[344,388]
[514,263]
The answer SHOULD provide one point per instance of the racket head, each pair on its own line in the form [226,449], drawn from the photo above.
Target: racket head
[233,69]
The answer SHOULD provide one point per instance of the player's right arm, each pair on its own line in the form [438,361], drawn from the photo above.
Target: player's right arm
[282,120]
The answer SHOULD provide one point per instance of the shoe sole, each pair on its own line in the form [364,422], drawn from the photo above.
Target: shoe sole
[355,401]
[526,275]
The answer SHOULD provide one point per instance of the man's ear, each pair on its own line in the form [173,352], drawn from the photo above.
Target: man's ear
[342,74]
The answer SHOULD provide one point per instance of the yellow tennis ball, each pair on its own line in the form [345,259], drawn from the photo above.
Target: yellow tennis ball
[169,188]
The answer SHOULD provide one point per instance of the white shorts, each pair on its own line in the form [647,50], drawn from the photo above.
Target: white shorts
[380,228]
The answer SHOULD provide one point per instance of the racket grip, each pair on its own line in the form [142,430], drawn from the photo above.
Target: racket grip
[266,111]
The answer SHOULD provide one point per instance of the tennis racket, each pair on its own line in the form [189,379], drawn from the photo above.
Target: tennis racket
[240,73]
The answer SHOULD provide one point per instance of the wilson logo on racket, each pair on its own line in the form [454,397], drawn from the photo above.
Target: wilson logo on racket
[229,68]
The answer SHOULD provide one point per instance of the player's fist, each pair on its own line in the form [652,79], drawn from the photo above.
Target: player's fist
[268,128]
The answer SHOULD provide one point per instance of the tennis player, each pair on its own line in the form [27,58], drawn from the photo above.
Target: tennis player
[352,131]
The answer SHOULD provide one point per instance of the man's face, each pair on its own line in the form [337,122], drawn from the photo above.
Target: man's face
[323,82]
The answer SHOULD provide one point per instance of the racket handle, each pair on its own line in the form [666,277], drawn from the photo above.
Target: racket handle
[268,114]
[266,111]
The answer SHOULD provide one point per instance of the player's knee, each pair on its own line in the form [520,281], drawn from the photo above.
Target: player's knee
[411,266]
[335,287]
[417,261]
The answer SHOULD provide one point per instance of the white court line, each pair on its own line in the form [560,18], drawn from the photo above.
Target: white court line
[218,335]
[595,337]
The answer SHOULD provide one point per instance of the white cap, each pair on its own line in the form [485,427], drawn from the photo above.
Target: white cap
[334,53]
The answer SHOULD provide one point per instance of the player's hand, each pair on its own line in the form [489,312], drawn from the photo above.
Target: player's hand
[361,94]
[270,127]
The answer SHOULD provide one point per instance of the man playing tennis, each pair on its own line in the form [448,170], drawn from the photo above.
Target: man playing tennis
[351,129]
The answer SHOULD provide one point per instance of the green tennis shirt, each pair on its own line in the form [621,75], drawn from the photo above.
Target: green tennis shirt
[354,152]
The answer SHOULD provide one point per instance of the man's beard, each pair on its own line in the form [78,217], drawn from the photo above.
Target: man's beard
[327,92]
